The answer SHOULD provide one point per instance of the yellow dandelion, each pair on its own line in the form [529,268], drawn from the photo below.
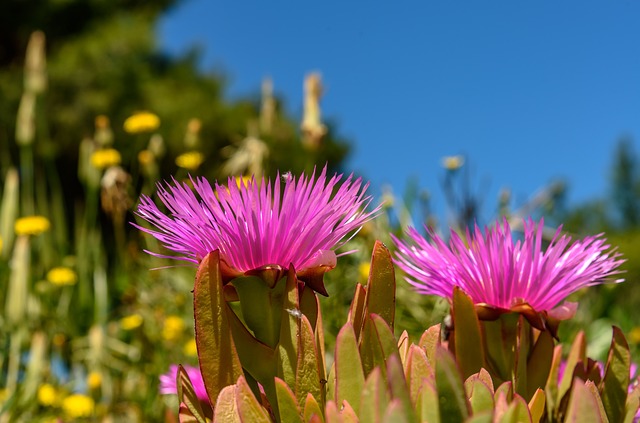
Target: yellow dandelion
[4,395]
[363,270]
[173,327]
[634,336]
[0,245]
[47,395]
[452,162]
[59,339]
[94,380]
[190,349]
[62,276]
[145,157]
[131,322]
[31,225]
[190,160]
[78,406]
[141,122]
[102,159]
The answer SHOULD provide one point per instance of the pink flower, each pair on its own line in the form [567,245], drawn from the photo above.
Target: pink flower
[168,382]
[261,224]
[502,276]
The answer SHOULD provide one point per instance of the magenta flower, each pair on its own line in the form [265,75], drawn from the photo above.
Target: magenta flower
[260,225]
[502,276]
[168,382]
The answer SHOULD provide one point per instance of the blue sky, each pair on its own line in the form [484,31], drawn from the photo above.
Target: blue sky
[528,91]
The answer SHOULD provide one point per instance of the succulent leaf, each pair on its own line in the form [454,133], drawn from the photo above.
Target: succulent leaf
[583,406]
[374,399]
[287,403]
[381,286]
[226,409]
[452,401]
[307,377]
[349,375]
[249,409]
[190,407]
[539,363]
[616,377]
[311,409]
[466,342]
[536,406]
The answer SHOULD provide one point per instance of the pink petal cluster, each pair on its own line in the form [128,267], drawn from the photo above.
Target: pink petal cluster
[260,223]
[168,382]
[497,272]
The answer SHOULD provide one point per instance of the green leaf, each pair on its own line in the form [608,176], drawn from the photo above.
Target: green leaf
[536,406]
[577,354]
[331,413]
[523,349]
[217,354]
[633,404]
[396,413]
[371,352]
[261,307]
[307,377]
[417,368]
[287,349]
[505,389]
[427,405]
[583,407]
[616,377]
[539,363]
[287,404]
[188,397]
[357,310]
[249,409]
[467,340]
[348,368]
[517,412]
[430,340]
[226,409]
[398,387]
[484,417]
[479,393]
[311,408]
[403,346]
[381,286]
[500,338]
[596,394]
[385,335]
[374,399]
[551,388]
[452,401]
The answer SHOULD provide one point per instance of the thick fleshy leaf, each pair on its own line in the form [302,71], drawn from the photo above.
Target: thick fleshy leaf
[289,331]
[505,389]
[577,355]
[385,335]
[417,369]
[633,405]
[517,412]
[226,409]
[261,307]
[500,337]
[616,377]
[396,413]
[551,388]
[596,394]
[371,352]
[331,413]
[539,363]
[287,404]
[427,405]
[307,377]
[403,346]
[188,397]
[536,406]
[429,341]
[479,393]
[523,349]
[381,286]
[348,414]
[348,368]
[374,398]
[452,401]
[398,387]
[357,310]
[466,342]
[583,406]
[311,408]
[186,416]
[248,406]
[219,361]
[484,417]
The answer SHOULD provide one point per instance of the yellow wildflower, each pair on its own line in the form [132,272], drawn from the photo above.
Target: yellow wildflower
[62,276]
[131,322]
[141,122]
[145,157]
[94,380]
[47,395]
[102,159]
[78,405]
[363,270]
[4,395]
[173,327]
[0,245]
[634,336]
[190,348]
[31,225]
[194,125]
[452,162]
[190,160]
